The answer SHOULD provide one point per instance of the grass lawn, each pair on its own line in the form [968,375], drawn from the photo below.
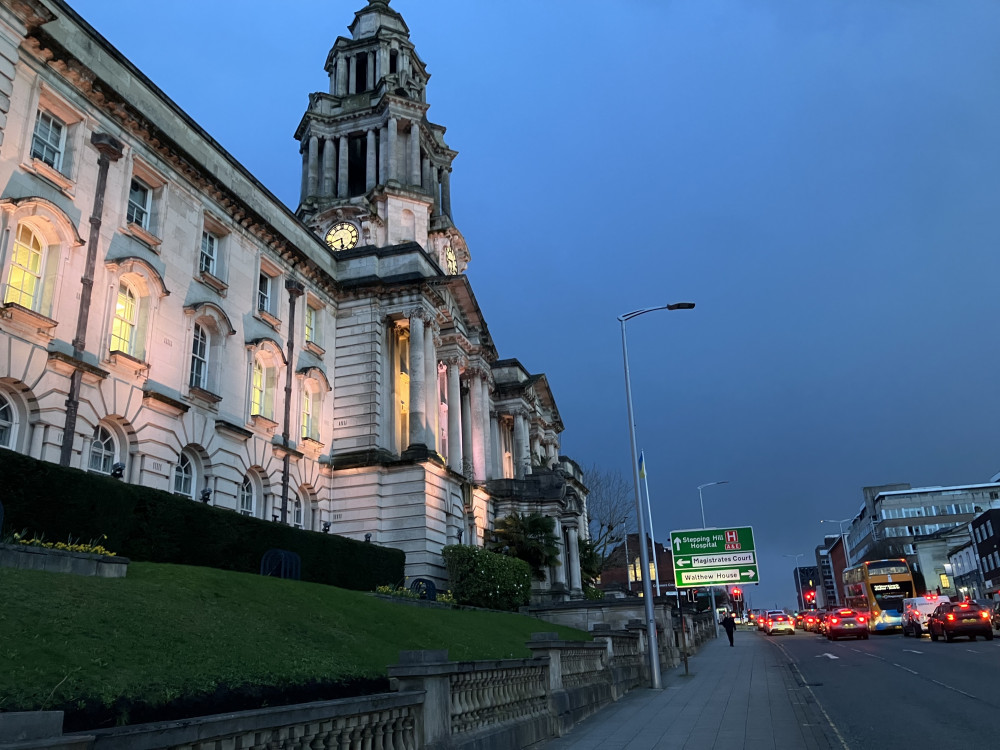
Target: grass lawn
[167,632]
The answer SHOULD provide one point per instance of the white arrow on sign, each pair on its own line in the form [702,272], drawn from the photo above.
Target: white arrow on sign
[681,562]
[749,574]
[677,544]
[828,656]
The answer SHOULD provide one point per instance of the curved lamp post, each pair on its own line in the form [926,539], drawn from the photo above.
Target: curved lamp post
[647,589]
[711,589]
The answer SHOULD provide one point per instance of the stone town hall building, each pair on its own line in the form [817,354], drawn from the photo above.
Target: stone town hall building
[166,319]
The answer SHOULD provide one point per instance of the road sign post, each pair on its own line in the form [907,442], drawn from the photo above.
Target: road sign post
[707,557]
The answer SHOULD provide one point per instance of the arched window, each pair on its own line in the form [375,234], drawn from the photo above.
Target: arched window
[199,358]
[248,505]
[8,424]
[24,283]
[296,511]
[184,476]
[126,317]
[102,450]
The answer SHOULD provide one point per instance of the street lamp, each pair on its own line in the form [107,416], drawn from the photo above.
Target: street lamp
[798,577]
[647,589]
[711,589]
[843,541]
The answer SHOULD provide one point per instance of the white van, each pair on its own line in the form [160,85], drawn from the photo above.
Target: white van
[915,612]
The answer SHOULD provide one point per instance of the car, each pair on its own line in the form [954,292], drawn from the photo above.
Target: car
[821,622]
[996,615]
[809,619]
[780,623]
[846,623]
[916,611]
[952,619]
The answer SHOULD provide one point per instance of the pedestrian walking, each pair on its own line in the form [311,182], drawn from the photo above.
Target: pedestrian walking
[729,623]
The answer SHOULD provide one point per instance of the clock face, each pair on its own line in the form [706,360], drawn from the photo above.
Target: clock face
[342,236]
[451,260]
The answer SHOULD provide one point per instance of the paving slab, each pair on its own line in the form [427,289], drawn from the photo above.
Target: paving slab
[745,696]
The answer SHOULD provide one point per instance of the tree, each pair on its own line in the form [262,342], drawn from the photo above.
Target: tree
[590,562]
[610,509]
[530,538]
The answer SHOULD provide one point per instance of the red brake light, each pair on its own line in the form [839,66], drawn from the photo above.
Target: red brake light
[984,614]
[963,605]
[950,617]
[861,618]
[834,620]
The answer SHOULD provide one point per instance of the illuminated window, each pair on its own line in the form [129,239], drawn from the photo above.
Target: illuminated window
[48,140]
[263,377]
[102,451]
[24,282]
[257,388]
[123,326]
[199,358]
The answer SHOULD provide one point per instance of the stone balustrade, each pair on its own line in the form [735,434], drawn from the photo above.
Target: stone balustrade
[436,703]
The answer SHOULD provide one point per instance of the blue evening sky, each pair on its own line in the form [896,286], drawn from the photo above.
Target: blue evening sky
[821,178]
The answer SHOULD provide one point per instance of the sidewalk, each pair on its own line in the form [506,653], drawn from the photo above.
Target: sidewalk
[748,696]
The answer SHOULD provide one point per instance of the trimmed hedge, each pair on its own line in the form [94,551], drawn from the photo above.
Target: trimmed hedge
[481,578]
[155,526]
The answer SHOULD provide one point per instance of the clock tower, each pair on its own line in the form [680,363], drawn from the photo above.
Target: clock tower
[375,171]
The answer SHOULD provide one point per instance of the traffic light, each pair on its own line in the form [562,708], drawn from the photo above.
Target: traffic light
[810,596]
[737,593]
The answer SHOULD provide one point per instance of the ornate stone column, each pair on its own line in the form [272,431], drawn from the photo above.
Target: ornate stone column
[455,434]
[446,192]
[431,390]
[341,76]
[521,466]
[352,76]
[370,177]
[371,72]
[495,445]
[484,385]
[466,432]
[475,378]
[415,153]
[393,143]
[342,171]
[573,559]
[329,174]
[313,164]
[383,154]
[418,396]
[559,571]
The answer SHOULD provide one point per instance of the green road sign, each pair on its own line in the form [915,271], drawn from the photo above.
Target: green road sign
[706,557]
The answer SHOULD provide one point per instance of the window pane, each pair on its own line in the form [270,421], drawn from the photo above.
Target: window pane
[123,326]
[47,140]
[6,422]
[264,292]
[208,247]
[138,204]
[24,279]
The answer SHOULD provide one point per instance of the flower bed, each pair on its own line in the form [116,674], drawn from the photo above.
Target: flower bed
[53,560]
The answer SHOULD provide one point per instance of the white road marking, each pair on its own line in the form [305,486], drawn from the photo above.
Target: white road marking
[949,687]
[906,668]
[911,651]
[828,656]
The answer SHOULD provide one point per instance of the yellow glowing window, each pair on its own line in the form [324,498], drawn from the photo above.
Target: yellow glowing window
[123,326]
[25,276]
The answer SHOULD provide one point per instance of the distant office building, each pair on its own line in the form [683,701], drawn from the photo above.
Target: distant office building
[940,560]
[986,540]
[827,592]
[891,519]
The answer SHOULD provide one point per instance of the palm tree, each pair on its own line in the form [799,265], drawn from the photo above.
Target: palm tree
[530,538]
